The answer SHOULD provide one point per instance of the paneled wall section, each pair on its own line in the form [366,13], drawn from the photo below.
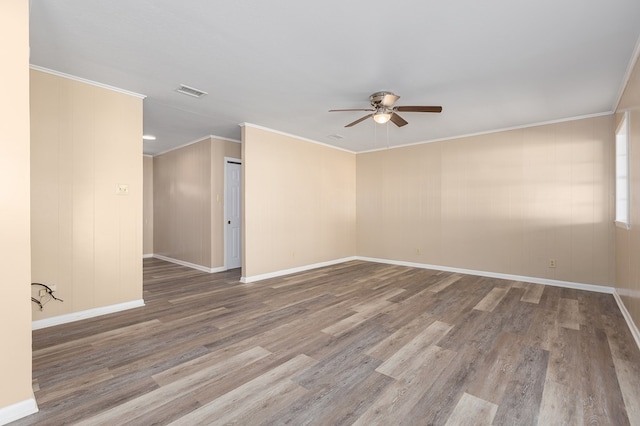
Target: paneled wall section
[299,202]
[508,202]
[188,202]
[628,240]
[182,204]
[86,238]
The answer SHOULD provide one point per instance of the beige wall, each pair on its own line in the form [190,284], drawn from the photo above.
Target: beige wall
[15,315]
[299,202]
[188,202]
[147,205]
[86,239]
[506,202]
[182,204]
[628,241]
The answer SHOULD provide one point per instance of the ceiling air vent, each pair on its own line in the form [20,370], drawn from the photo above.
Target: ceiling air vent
[335,136]
[190,91]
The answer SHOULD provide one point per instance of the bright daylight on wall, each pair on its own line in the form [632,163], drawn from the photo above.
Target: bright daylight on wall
[622,172]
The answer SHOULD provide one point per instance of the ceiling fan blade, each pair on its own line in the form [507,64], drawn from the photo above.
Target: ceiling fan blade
[389,99]
[397,120]
[359,120]
[418,108]
[352,109]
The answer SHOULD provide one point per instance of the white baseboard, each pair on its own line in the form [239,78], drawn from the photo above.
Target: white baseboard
[18,410]
[189,264]
[536,280]
[627,317]
[546,281]
[90,313]
[147,256]
[280,273]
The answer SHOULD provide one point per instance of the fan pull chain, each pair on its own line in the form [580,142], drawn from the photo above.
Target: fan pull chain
[387,135]
[375,135]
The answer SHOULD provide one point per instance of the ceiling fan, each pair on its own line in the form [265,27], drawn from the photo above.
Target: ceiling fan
[382,109]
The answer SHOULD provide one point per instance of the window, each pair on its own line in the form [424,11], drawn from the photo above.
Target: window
[622,172]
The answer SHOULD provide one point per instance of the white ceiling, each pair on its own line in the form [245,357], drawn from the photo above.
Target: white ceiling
[282,64]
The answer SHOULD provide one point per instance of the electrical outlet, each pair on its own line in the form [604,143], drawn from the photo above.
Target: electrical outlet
[417,251]
[552,263]
[42,292]
[122,189]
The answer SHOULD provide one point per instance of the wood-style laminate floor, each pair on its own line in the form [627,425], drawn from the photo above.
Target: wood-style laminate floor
[357,343]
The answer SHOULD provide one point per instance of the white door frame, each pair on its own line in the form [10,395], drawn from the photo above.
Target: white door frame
[226,161]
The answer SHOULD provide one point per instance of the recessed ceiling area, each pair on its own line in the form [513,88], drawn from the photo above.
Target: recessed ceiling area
[282,65]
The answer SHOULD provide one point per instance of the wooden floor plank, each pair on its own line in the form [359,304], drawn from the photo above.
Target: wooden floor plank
[441,395]
[342,357]
[350,406]
[543,331]
[602,400]
[471,411]
[532,293]
[363,314]
[444,283]
[248,397]
[395,366]
[146,405]
[497,367]
[569,314]
[520,404]
[326,396]
[559,405]
[179,379]
[76,384]
[492,299]
[628,374]
[620,339]
[564,357]
[393,343]
[464,329]
[403,394]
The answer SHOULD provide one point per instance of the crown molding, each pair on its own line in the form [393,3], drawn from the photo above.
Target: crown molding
[255,126]
[84,80]
[627,75]
[489,132]
[202,139]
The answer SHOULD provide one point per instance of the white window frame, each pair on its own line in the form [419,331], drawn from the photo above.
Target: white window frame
[623,181]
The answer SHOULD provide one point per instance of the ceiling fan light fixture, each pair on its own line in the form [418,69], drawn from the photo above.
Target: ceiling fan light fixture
[383,111]
[381,117]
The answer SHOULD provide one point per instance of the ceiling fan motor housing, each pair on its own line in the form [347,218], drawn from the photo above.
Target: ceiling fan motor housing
[377,99]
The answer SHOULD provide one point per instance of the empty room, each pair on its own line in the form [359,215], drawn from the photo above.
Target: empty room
[327,213]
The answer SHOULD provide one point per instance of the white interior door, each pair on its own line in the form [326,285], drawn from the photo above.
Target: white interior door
[233,217]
